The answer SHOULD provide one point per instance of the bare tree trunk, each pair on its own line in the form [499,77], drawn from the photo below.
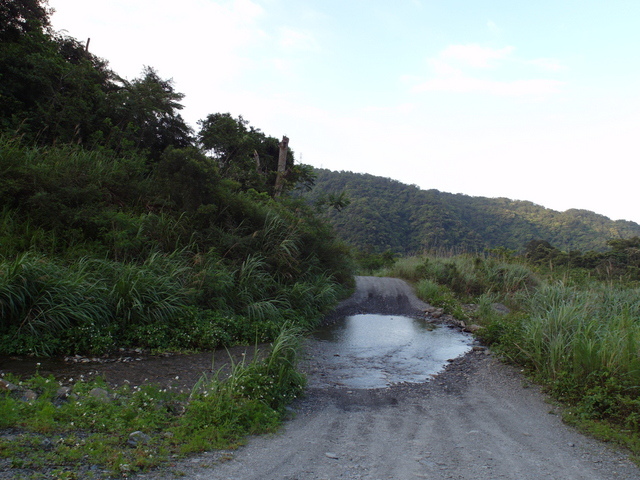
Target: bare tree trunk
[256,157]
[282,166]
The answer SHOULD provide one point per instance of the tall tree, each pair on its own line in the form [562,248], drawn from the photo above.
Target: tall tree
[52,89]
[146,115]
[248,156]
[21,17]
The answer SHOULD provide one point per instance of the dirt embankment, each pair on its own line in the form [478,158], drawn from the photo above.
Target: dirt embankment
[479,419]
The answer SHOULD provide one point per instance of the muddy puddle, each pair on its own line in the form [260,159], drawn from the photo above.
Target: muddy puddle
[376,351]
[133,367]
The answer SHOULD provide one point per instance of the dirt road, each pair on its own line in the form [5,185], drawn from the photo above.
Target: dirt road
[477,420]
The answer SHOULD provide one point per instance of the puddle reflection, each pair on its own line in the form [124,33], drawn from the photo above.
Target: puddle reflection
[375,351]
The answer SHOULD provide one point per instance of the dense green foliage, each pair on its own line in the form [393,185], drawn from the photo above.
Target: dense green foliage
[622,260]
[385,214]
[575,333]
[143,243]
[121,227]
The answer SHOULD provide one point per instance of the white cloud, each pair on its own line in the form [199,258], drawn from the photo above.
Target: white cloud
[443,68]
[456,69]
[463,84]
[475,55]
[550,64]
[297,40]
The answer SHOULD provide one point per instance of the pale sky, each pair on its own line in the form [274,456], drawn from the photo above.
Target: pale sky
[527,100]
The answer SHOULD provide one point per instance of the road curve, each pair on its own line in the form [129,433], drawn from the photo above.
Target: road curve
[477,420]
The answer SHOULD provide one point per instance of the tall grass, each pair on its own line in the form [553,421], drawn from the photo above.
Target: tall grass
[406,268]
[41,298]
[580,337]
[45,302]
[278,242]
[467,275]
[91,305]
[582,332]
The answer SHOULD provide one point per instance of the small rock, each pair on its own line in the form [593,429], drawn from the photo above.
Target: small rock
[331,455]
[100,394]
[63,392]
[7,386]
[138,438]
[29,396]
[456,323]
[500,308]
[472,328]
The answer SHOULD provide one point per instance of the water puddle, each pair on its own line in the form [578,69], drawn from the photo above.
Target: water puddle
[375,351]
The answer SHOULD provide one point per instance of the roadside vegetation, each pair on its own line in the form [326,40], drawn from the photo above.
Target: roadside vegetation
[571,322]
[123,227]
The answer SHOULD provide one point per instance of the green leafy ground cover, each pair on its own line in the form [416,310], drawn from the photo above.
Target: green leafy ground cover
[85,431]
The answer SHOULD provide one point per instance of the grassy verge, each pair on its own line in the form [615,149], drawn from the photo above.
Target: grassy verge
[91,431]
[578,337]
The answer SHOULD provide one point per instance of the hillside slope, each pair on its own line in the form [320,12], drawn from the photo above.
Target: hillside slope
[385,214]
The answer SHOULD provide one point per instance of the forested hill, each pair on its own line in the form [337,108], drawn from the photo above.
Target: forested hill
[385,214]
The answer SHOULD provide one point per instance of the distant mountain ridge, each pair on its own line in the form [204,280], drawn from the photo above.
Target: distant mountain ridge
[385,214]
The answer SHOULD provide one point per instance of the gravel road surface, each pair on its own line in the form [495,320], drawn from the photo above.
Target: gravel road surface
[479,419]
